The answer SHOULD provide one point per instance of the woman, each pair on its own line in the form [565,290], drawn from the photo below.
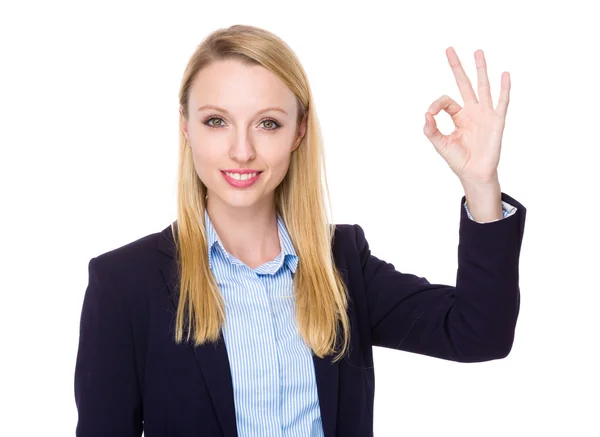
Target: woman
[251,315]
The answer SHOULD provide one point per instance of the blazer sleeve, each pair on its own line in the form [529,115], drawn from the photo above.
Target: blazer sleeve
[470,322]
[507,211]
[107,392]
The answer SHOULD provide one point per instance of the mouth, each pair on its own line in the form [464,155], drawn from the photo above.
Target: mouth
[241,178]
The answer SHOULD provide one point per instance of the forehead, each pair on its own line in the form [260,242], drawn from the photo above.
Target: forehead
[238,87]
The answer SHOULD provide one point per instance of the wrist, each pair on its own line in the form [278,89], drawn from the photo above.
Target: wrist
[484,200]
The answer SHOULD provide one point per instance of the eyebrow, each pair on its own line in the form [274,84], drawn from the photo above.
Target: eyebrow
[217,108]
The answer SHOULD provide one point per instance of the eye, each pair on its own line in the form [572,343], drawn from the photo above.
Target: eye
[272,124]
[207,122]
[268,124]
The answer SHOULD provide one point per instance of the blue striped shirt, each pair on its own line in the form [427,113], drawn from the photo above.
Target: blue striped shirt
[273,377]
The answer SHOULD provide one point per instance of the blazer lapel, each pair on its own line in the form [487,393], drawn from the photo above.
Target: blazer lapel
[327,374]
[211,357]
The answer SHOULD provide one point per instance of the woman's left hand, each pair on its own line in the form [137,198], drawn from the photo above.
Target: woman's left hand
[473,150]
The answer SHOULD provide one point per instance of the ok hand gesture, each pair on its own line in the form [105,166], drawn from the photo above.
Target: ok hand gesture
[473,150]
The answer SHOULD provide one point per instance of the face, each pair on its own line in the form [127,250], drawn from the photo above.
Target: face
[242,130]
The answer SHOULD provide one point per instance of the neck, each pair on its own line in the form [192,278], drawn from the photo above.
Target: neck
[250,234]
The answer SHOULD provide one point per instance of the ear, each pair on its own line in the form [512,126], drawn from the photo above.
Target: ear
[301,131]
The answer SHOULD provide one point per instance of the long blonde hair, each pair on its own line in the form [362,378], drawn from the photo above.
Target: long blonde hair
[320,293]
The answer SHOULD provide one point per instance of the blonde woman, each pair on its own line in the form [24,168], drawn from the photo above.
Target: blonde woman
[252,315]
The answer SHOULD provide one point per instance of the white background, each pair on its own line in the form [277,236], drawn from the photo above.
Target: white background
[88,143]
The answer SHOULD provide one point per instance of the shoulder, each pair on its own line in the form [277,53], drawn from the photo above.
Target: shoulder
[131,252]
[135,263]
[349,237]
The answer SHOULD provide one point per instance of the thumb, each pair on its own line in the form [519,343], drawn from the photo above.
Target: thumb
[434,135]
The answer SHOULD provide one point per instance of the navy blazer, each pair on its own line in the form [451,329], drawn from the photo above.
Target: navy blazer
[131,376]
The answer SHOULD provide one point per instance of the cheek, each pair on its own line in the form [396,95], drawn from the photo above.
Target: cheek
[277,153]
[279,165]
[206,159]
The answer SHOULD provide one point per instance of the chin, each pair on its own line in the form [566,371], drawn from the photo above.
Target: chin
[240,199]
[236,202]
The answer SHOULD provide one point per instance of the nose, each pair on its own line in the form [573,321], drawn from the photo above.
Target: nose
[242,149]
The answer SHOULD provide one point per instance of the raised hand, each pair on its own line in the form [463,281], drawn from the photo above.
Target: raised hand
[472,150]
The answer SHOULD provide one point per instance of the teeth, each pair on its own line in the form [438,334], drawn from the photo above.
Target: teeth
[240,177]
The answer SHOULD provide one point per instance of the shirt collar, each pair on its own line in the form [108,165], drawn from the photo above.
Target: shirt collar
[286,257]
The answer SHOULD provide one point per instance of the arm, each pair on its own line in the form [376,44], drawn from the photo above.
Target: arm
[473,321]
[106,385]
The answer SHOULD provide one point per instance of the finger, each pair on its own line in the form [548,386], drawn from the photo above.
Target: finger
[483,83]
[504,98]
[462,80]
[433,133]
[444,103]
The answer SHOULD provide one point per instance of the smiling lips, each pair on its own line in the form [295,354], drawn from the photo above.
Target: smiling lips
[241,178]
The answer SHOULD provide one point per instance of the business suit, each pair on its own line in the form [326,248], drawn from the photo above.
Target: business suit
[129,368]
